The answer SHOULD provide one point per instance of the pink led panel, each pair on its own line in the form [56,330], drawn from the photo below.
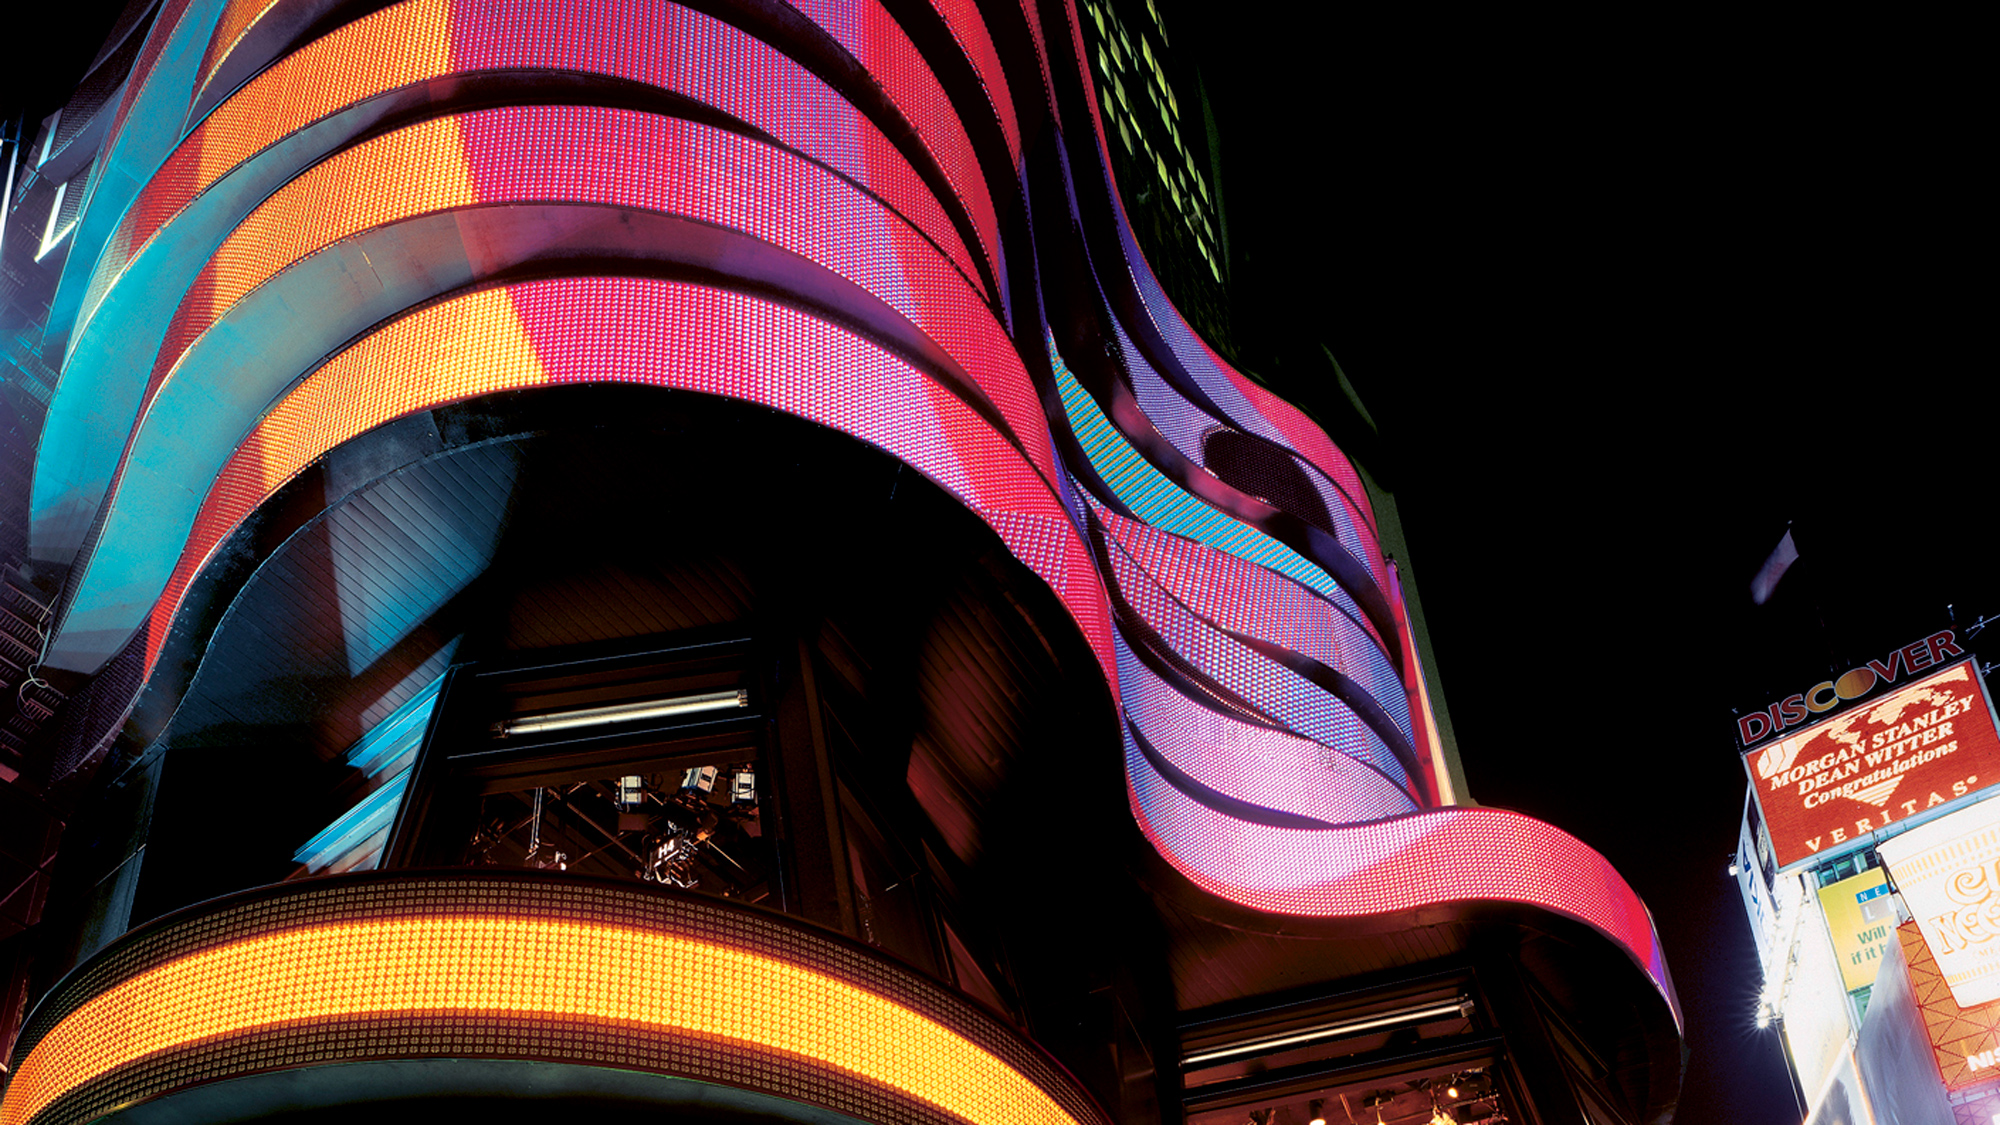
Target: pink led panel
[1260,603]
[668,334]
[884,49]
[1281,695]
[1424,859]
[1253,764]
[968,29]
[651,41]
[587,154]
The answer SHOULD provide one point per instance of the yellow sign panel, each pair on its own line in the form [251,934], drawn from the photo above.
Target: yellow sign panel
[1861,916]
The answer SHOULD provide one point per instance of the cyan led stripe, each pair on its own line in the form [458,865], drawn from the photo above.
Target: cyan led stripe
[372,815]
[1151,497]
[396,736]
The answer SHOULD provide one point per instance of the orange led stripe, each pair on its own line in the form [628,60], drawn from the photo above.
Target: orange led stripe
[539,966]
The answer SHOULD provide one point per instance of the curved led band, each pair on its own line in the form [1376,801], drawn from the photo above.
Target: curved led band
[669,334]
[574,153]
[885,51]
[1150,496]
[975,42]
[1255,602]
[620,158]
[1277,694]
[418,41]
[1457,855]
[564,35]
[434,967]
[394,62]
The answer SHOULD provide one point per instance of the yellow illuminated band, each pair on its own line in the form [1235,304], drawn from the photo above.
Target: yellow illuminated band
[525,966]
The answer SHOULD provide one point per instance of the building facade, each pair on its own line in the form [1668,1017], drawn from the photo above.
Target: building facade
[677,556]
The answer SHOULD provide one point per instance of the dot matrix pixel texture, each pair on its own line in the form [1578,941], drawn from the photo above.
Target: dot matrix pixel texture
[911,224]
[505,968]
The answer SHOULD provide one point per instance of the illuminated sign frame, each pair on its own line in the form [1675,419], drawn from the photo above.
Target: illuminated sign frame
[1809,784]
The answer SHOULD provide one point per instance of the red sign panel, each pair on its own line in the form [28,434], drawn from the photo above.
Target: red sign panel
[1897,756]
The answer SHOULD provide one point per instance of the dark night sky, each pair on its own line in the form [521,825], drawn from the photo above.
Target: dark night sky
[1624,298]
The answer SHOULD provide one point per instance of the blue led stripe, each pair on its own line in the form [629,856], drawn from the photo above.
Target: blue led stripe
[1151,497]
[396,737]
[355,826]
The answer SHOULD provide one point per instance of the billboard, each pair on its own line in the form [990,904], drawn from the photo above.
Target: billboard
[1947,873]
[1898,756]
[1861,919]
[1856,683]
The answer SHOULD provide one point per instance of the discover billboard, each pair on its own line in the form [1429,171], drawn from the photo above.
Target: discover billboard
[1898,756]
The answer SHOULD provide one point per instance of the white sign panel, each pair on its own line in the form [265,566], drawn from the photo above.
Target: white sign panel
[1949,874]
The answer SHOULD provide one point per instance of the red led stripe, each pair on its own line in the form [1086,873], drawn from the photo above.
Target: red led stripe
[968,29]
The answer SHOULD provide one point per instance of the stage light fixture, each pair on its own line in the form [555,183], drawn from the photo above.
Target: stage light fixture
[1318,1111]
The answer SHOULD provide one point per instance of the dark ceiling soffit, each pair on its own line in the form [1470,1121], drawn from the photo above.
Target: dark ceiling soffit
[1658,1028]
[1455,1053]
